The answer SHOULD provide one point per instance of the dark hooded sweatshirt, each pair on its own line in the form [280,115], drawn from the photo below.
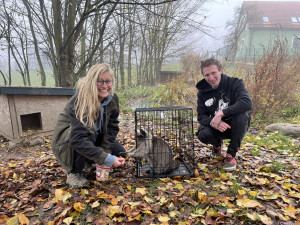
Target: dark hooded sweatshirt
[231,97]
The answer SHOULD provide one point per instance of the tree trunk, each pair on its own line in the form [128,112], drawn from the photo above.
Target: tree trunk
[51,54]
[37,54]
[4,78]
[57,26]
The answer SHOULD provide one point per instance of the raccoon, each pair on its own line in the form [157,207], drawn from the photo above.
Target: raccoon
[155,151]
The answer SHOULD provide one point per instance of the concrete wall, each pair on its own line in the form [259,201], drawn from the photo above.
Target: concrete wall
[27,111]
[48,106]
[256,41]
[5,119]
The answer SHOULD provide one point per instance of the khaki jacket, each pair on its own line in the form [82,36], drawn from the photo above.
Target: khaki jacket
[71,135]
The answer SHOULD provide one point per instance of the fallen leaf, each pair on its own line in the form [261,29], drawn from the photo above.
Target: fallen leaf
[113,210]
[247,203]
[163,218]
[114,201]
[196,173]
[13,221]
[142,191]
[3,218]
[241,192]
[179,186]
[199,212]
[173,214]
[147,212]
[95,204]
[68,220]
[149,200]
[253,193]
[138,218]
[22,219]
[266,220]
[78,206]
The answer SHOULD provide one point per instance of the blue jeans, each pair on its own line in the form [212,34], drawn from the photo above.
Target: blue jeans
[239,126]
[79,160]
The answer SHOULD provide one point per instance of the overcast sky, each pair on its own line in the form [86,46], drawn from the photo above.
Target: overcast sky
[218,13]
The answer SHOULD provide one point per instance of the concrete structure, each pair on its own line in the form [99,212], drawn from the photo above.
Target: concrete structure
[30,109]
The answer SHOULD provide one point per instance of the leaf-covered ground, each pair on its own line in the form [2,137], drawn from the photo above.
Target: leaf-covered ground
[264,189]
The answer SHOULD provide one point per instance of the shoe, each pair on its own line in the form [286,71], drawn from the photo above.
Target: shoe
[230,163]
[216,151]
[76,180]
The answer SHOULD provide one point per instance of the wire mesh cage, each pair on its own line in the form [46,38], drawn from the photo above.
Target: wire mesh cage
[165,141]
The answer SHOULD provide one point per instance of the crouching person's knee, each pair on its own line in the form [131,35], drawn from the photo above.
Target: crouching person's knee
[243,118]
[203,134]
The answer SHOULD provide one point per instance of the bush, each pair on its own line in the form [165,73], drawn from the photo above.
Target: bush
[130,94]
[290,112]
[273,82]
[177,92]
[191,65]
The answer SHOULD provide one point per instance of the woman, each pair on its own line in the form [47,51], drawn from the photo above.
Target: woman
[86,130]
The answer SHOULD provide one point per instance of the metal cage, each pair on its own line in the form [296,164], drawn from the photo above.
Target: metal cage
[168,144]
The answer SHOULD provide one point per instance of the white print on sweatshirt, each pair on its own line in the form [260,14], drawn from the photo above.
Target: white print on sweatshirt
[210,102]
[222,105]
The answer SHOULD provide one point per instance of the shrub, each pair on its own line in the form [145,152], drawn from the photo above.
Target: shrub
[191,66]
[273,82]
[176,92]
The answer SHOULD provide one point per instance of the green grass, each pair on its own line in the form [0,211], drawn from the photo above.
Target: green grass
[34,78]
[172,67]
[233,190]
[277,166]
[50,82]
[274,141]
[254,152]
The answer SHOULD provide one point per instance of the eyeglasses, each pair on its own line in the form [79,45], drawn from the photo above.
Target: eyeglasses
[107,82]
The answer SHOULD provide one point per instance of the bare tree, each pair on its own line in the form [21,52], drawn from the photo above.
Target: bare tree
[160,33]
[76,34]
[68,28]
[236,27]
[18,42]
[6,34]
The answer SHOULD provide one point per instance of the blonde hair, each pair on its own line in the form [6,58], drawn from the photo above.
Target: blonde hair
[87,104]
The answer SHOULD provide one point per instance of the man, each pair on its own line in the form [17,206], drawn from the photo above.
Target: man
[222,106]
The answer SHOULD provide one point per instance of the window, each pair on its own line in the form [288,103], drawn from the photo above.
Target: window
[295,19]
[266,19]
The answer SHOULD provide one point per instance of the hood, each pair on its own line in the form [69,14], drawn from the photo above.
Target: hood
[107,100]
[203,86]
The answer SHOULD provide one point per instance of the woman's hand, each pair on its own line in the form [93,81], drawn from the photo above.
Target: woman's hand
[119,162]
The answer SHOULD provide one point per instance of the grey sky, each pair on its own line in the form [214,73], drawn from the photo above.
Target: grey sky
[219,12]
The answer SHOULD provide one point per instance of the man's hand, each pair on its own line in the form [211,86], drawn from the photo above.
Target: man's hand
[217,119]
[218,124]
[119,162]
[223,126]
